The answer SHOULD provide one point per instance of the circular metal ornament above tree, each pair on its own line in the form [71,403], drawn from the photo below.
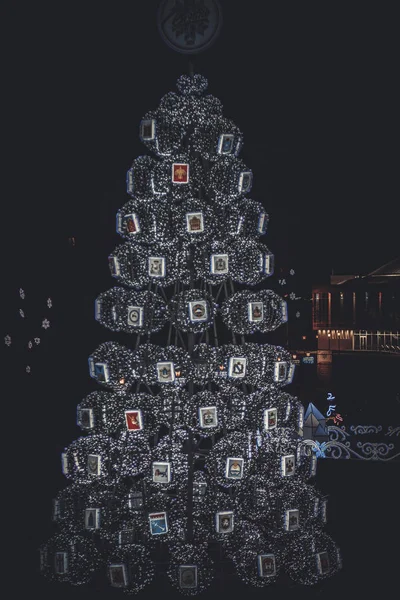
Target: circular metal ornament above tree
[189,26]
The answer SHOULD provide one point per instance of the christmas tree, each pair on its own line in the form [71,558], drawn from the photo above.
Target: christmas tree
[191,445]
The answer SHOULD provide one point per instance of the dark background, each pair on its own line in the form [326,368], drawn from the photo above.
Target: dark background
[313,86]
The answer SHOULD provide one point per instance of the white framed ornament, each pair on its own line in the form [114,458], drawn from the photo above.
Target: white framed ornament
[237,366]
[135,316]
[269,260]
[288,465]
[165,372]
[219,264]
[234,468]
[61,563]
[128,224]
[147,129]
[156,266]
[226,143]
[161,472]
[92,518]
[208,417]
[180,173]
[194,222]
[133,420]
[224,521]
[245,181]
[114,266]
[118,575]
[266,565]
[270,418]
[198,311]
[280,371]
[255,311]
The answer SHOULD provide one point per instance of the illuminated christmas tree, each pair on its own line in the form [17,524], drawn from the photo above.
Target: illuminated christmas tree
[192,443]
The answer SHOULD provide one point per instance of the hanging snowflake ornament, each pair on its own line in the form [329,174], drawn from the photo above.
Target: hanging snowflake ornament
[282,281]
[298,314]
[21,293]
[30,344]
[292,296]
[21,312]
[37,341]
[49,302]
[291,271]
[45,323]
[7,340]
[28,369]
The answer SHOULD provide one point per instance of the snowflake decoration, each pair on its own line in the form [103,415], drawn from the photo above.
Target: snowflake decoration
[292,296]
[30,344]
[297,314]
[282,281]
[49,302]
[28,369]
[291,271]
[21,312]
[7,340]
[37,341]
[45,323]
[21,293]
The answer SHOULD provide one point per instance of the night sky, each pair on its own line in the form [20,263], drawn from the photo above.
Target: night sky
[313,87]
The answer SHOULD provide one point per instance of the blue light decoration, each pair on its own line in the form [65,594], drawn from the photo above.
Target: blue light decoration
[320,449]
[308,360]
[315,425]
[336,417]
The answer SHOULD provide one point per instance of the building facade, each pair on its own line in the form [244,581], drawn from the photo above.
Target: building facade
[361,313]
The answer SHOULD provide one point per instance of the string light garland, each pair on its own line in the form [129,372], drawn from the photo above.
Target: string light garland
[270,408]
[89,458]
[254,364]
[173,401]
[139,266]
[259,561]
[244,531]
[69,558]
[138,178]
[135,413]
[90,508]
[312,556]
[130,568]
[111,365]
[140,222]
[131,312]
[192,442]
[157,365]
[229,179]
[229,461]
[247,312]
[205,363]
